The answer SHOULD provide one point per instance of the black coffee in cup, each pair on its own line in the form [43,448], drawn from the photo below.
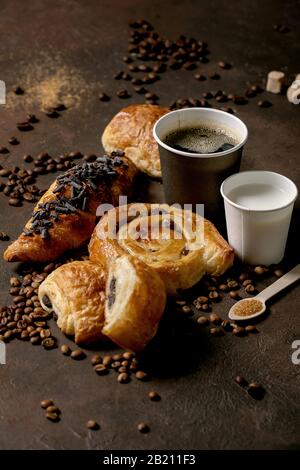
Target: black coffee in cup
[201,139]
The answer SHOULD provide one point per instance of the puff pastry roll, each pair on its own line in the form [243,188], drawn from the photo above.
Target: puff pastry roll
[135,302]
[75,292]
[179,245]
[131,131]
[65,216]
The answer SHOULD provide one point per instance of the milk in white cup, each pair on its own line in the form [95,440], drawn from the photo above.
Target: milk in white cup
[258,209]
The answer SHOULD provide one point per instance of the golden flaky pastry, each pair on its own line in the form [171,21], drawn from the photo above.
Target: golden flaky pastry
[65,216]
[135,302]
[179,245]
[131,131]
[75,292]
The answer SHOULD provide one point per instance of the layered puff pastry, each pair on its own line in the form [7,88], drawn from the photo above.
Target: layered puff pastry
[179,245]
[75,292]
[65,216]
[135,302]
[131,131]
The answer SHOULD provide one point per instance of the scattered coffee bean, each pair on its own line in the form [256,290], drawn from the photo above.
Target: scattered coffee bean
[213,295]
[141,375]
[93,425]
[101,369]
[247,282]
[123,378]
[240,380]
[28,158]
[78,355]
[154,396]
[128,355]
[203,321]
[256,391]
[200,77]
[143,428]
[239,331]
[5,172]
[234,294]
[53,417]
[250,289]
[53,409]
[224,65]
[214,318]
[32,118]
[217,331]
[278,272]
[96,359]
[214,76]
[260,270]
[24,126]
[186,309]
[104,97]
[123,94]
[46,403]
[51,113]
[264,104]
[251,329]
[4,150]
[4,237]
[19,90]
[13,141]
[65,350]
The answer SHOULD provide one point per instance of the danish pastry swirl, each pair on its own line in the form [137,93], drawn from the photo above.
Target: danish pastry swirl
[179,245]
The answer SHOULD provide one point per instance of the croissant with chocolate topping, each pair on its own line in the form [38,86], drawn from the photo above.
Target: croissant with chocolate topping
[65,216]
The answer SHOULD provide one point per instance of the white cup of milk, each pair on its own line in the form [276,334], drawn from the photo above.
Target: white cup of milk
[258,209]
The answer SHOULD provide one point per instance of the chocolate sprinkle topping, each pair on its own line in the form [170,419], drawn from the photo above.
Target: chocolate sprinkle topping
[82,180]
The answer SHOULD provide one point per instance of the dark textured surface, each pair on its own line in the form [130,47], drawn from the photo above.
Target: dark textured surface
[201,406]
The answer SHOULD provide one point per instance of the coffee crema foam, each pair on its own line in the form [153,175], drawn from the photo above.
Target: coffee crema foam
[201,139]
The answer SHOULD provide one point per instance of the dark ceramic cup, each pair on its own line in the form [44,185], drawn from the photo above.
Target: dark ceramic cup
[190,178]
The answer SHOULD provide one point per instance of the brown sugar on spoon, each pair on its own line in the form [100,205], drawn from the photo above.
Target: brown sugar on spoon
[249,308]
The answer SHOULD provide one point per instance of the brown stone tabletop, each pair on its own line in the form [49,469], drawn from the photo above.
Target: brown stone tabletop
[72,49]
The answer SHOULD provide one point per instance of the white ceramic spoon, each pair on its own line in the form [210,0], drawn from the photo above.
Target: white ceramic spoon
[285,281]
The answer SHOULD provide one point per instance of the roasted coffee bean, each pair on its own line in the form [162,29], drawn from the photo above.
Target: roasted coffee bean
[239,331]
[214,76]
[5,172]
[35,340]
[51,113]
[213,295]
[239,100]
[256,391]
[260,270]
[115,365]
[48,269]
[141,375]
[123,94]
[250,289]
[53,409]
[14,202]
[251,329]
[249,93]
[232,284]
[217,331]
[25,336]
[24,126]
[78,355]
[104,97]
[203,321]
[278,272]
[226,325]
[187,309]
[223,287]
[4,150]
[136,81]
[264,104]
[45,333]
[117,357]
[143,428]
[90,158]
[123,378]
[151,96]
[234,294]
[107,360]
[32,118]
[93,425]
[13,141]
[240,380]
[189,66]
[101,369]
[247,282]
[200,77]
[4,236]
[128,355]
[65,350]
[96,359]
[19,90]
[154,396]
[214,318]
[46,403]
[127,59]
[54,417]
[122,369]
[140,90]
[224,65]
